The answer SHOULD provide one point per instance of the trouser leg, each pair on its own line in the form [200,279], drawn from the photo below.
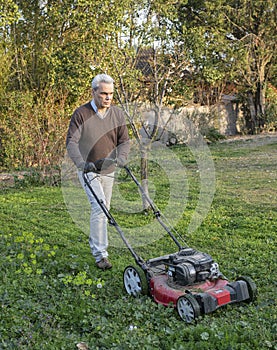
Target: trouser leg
[102,186]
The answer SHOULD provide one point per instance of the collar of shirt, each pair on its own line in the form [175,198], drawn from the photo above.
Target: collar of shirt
[94,107]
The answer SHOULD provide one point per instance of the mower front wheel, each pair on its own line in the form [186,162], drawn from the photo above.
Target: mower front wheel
[134,280]
[188,308]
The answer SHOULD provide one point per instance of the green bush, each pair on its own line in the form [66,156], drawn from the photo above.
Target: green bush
[33,130]
[212,134]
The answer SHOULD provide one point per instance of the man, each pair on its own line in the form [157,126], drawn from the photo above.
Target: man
[97,130]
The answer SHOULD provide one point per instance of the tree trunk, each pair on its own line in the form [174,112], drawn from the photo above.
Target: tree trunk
[260,106]
[256,106]
[252,120]
[144,174]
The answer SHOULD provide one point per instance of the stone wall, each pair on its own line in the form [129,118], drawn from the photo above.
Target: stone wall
[224,117]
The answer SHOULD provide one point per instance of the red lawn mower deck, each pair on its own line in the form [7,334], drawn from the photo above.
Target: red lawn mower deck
[189,281]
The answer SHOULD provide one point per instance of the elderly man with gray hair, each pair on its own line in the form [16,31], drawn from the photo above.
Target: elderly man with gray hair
[97,130]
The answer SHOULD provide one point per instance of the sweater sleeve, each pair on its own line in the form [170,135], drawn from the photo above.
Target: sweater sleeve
[73,137]
[123,142]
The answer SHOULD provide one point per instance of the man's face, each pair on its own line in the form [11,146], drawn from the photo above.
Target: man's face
[103,95]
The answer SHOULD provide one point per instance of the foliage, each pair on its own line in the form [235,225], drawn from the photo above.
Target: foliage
[5,63]
[53,297]
[233,42]
[9,13]
[212,135]
[271,109]
[41,144]
[161,53]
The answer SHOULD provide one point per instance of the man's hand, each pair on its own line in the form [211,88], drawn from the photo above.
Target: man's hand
[87,167]
[121,162]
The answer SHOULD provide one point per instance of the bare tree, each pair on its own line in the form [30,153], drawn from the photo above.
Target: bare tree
[158,75]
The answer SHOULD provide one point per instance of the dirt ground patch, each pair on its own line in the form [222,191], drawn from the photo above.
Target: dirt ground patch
[9,179]
[260,139]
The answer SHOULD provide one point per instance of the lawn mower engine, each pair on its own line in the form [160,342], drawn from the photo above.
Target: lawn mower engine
[189,266]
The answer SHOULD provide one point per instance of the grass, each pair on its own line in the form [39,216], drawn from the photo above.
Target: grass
[53,297]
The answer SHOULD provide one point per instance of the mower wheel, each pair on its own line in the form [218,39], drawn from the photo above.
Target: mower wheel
[251,286]
[188,308]
[134,280]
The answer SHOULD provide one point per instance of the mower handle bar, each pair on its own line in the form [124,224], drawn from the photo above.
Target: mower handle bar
[113,222]
[152,206]
[105,163]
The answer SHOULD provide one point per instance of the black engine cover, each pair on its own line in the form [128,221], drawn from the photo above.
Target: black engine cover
[189,266]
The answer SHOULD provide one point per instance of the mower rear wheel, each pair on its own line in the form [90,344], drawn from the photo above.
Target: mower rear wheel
[188,308]
[251,286]
[134,280]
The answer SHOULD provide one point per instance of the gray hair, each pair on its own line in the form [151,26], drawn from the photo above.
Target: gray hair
[101,78]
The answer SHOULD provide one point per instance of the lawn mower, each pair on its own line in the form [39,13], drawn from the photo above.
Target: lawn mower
[188,280]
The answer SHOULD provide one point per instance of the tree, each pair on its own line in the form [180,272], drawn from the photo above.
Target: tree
[253,24]
[54,46]
[155,75]
[150,74]
[9,15]
[234,41]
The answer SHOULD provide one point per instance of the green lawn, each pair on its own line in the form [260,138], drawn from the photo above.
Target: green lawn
[53,297]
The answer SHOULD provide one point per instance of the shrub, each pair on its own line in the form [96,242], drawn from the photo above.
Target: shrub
[33,130]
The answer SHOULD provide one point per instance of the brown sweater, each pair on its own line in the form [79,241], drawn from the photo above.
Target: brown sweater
[90,138]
